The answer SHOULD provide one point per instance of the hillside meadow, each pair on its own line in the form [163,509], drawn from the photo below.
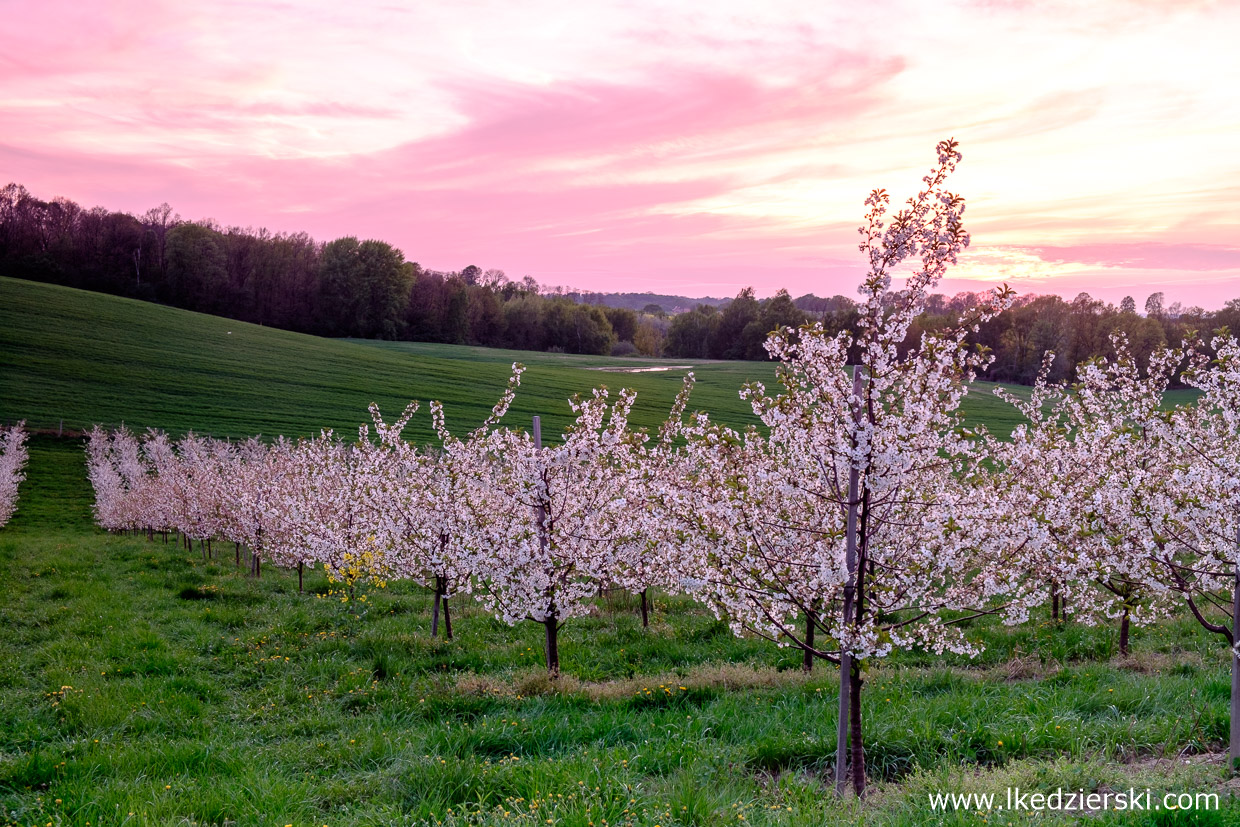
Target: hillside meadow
[84,358]
[142,684]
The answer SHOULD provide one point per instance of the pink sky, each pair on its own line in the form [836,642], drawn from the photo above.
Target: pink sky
[672,147]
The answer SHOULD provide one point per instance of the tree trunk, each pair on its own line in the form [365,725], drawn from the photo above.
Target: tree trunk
[645,610]
[850,588]
[447,617]
[551,622]
[435,606]
[238,550]
[1235,665]
[300,566]
[1123,632]
[551,626]
[1054,600]
[841,730]
[807,663]
[857,757]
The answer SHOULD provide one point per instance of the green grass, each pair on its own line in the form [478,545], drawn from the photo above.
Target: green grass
[79,358]
[136,678]
[85,357]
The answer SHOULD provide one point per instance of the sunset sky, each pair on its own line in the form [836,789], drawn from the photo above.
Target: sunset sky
[672,147]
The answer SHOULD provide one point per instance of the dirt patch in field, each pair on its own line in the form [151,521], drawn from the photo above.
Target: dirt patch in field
[643,369]
[714,677]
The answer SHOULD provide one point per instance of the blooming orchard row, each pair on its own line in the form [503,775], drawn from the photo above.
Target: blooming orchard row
[862,517]
[13,457]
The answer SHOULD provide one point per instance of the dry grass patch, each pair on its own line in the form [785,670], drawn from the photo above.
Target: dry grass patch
[715,676]
[1158,663]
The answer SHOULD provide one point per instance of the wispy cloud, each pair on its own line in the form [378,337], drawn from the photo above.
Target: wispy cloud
[644,144]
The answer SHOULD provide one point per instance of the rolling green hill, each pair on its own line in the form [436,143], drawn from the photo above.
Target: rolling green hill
[85,357]
[80,357]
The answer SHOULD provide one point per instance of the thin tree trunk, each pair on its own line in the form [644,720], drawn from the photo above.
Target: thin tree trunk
[850,587]
[551,621]
[300,566]
[447,618]
[1123,632]
[256,554]
[551,626]
[1054,600]
[857,757]
[807,664]
[238,550]
[1235,665]
[435,601]
[645,610]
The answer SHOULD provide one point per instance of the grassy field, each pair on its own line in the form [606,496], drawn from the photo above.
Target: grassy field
[86,357]
[82,358]
[142,685]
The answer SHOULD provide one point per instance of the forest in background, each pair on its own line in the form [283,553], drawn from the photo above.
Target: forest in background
[368,289]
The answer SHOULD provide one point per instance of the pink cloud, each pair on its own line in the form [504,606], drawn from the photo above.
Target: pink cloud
[695,110]
[1148,255]
[618,145]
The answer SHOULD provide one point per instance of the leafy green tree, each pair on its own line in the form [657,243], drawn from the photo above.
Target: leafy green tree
[456,312]
[364,287]
[623,322]
[778,311]
[727,340]
[577,328]
[197,269]
[523,327]
[1154,305]
[486,318]
[690,334]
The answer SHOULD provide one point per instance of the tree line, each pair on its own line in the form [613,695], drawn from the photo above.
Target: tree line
[367,289]
[1076,330]
[346,287]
